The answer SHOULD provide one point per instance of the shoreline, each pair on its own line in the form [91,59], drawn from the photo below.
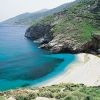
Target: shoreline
[84,70]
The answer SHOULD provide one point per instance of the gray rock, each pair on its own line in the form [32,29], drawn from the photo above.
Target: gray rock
[39,32]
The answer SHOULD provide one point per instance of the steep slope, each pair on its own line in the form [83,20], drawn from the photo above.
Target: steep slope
[24,19]
[30,18]
[76,29]
[54,92]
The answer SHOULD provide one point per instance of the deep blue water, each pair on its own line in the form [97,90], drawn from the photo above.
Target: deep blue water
[22,63]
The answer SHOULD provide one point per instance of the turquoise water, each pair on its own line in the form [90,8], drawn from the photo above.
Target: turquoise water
[22,63]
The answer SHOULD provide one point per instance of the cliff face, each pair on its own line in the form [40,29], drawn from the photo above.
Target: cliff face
[74,30]
[93,46]
[69,45]
[41,32]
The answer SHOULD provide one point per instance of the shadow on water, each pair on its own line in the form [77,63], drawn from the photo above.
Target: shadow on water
[25,69]
[29,71]
[67,59]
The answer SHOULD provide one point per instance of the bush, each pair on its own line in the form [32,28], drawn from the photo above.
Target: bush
[70,98]
[26,97]
[32,95]
[56,90]
[20,97]
[88,98]
[46,94]
[78,94]
[60,95]
[2,98]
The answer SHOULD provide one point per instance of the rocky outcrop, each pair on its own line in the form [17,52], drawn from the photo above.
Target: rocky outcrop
[93,46]
[69,45]
[96,42]
[42,33]
[62,43]
[73,30]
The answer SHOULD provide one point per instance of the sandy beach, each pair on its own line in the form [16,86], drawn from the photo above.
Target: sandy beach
[85,70]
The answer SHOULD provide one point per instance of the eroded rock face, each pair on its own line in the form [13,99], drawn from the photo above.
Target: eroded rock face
[40,32]
[69,45]
[96,42]
[92,46]
[61,43]
[70,31]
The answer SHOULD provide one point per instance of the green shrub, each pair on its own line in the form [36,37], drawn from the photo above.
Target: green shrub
[60,95]
[70,98]
[46,94]
[53,89]
[70,92]
[2,98]
[22,97]
[88,98]
[78,94]
[32,95]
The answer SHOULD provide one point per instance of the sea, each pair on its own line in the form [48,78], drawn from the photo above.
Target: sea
[23,64]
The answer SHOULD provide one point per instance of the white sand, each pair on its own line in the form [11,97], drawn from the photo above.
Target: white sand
[85,70]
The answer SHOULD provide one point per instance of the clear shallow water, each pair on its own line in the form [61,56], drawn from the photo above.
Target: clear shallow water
[22,63]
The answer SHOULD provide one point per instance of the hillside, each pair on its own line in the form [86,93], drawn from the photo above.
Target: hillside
[74,30]
[30,18]
[54,92]
[24,19]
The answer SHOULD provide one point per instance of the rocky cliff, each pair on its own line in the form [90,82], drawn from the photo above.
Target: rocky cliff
[73,30]
[42,32]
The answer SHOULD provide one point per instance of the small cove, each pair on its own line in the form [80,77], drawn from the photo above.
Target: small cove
[22,63]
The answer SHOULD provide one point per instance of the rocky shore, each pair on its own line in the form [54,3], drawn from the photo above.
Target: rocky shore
[84,70]
[61,43]
[74,30]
